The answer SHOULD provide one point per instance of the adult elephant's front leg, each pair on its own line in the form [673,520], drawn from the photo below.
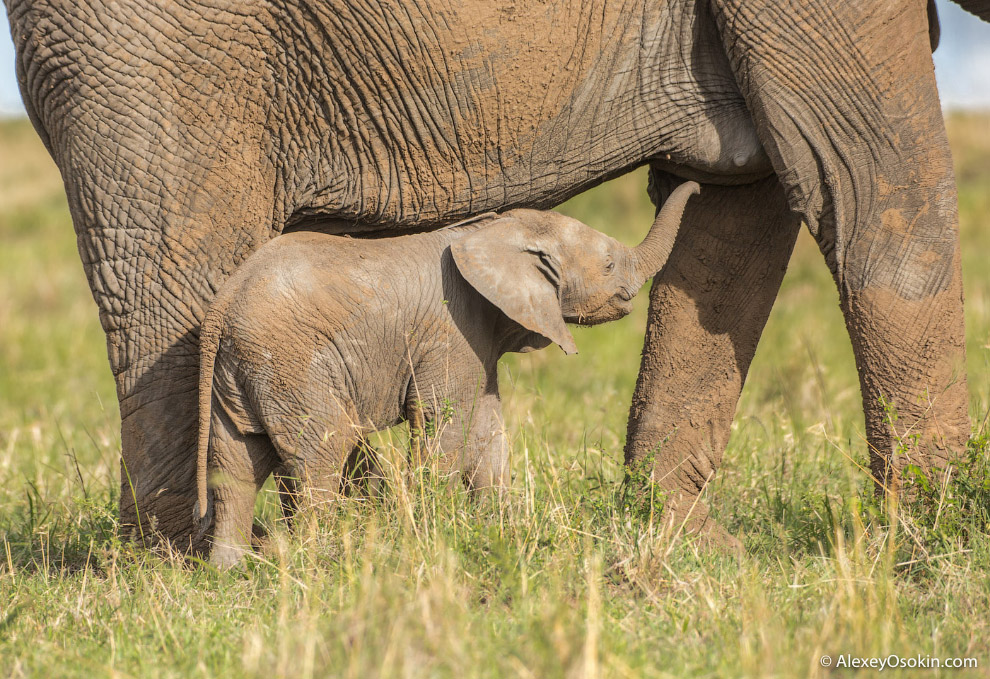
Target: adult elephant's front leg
[707,310]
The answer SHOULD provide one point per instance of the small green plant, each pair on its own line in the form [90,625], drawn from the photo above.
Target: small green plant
[942,509]
[640,496]
[952,505]
[443,416]
[637,496]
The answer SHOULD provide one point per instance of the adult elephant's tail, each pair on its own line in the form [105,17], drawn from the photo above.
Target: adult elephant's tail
[209,344]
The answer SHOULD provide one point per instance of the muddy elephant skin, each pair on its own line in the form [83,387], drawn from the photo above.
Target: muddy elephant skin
[190,133]
[317,340]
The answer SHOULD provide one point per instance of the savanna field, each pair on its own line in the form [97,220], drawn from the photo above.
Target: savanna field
[573,574]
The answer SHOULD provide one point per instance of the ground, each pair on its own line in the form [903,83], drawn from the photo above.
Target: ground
[575,573]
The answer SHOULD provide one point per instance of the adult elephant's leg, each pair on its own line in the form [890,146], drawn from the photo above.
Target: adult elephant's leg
[166,167]
[846,106]
[153,273]
[708,308]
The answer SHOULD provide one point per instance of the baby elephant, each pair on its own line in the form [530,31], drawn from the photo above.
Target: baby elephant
[317,340]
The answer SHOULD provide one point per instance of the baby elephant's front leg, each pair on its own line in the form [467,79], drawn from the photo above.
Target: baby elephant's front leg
[474,437]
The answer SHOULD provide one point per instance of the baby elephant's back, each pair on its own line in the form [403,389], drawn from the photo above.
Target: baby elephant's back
[313,309]
[304,280]
[306,288]
[349,275]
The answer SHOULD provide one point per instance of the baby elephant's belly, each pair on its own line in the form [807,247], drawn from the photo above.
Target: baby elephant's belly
[319,404]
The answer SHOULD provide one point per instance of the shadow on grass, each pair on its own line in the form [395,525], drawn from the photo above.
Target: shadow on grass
[58,537]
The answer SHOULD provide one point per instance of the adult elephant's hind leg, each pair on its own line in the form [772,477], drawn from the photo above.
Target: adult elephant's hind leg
[851,119]
[901,293]
[708,308]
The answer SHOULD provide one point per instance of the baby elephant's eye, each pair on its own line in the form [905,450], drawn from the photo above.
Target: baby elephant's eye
[609,267]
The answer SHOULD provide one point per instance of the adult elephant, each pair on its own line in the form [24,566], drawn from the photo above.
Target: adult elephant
[189,133]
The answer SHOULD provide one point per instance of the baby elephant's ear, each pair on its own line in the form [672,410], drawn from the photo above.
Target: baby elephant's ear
[505,264]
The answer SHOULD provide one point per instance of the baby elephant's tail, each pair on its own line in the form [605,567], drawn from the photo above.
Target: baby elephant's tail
[209,345]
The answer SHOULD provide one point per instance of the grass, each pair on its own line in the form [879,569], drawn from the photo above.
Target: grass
[572,575]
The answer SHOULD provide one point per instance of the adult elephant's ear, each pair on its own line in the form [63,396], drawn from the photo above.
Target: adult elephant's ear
[507,264]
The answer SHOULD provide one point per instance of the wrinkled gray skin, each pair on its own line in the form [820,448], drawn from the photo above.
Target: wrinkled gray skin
[317,340]
[189,134]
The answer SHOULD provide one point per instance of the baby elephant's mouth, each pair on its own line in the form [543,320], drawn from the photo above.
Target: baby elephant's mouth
[625,294]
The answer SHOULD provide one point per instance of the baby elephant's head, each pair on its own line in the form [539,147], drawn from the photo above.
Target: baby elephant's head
[543,269]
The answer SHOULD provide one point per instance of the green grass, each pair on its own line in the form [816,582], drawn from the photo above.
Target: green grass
[566,577]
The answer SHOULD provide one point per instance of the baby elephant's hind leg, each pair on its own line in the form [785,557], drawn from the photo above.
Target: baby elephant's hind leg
[239,465]
[363,474]
[312,461]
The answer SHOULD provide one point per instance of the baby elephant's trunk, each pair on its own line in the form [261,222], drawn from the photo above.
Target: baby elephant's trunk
[651,255]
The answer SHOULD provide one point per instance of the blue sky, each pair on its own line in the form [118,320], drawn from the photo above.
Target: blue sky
[962,63]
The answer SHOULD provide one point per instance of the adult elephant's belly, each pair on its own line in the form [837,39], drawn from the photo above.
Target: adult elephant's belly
[472,109]
[724,149]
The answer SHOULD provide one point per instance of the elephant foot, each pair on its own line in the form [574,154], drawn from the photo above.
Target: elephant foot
[225,557]
[692,522]
[711,536]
